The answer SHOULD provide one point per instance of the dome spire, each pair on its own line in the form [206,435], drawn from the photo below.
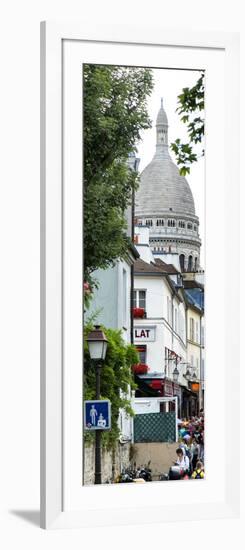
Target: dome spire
[162,127]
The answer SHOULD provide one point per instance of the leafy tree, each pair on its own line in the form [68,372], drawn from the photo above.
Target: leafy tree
[114,114]
[190,105]
[116,377]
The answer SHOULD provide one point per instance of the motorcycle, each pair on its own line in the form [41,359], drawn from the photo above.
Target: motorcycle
[129,475]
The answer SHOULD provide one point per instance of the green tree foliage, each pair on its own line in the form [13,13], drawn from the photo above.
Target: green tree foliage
[114,114]
[116,377]
[190,105]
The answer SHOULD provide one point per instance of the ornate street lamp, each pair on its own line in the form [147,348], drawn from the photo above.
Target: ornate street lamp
[97,345]
[175,374]
[188,373]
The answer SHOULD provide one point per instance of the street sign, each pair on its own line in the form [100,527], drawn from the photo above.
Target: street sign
[97,415]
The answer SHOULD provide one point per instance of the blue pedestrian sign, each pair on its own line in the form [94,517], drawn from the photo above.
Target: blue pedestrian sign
[97,415]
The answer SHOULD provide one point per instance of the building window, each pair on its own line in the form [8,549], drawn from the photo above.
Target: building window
[160,222]
[197,333]
[142,354]
[190,263]
[175,320]
[192,329]
[171,223]
[189,226]
[169,310]
[148,223]
[195,264]
[182,224]
[140,298]
[182,262]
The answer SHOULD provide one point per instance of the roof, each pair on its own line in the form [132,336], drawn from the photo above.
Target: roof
[195,299]
[168,268]
[133,250]
[141,267]
[162,188]
[192,284]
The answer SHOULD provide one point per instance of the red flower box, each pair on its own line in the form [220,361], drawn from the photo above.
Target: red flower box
[138,312]
[140,368]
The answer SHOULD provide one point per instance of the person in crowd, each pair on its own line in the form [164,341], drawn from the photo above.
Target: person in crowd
[198,473]
[195,449]
[201,446]
[182,460]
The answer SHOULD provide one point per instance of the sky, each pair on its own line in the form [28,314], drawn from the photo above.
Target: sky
[168,84]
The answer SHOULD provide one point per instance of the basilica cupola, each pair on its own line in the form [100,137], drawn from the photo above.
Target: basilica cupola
[164,202]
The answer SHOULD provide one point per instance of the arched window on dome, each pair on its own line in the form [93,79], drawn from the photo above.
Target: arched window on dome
[189,226]
[182,262]
[195,265]
[190,263]
[182,224]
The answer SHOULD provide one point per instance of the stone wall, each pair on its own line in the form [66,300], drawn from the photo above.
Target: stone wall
[112,463]
[161,455]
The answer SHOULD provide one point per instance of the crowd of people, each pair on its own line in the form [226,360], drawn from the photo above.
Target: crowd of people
[190,451]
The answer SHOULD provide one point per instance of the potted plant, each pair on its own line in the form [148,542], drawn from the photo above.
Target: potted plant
[138,312]
[140,368]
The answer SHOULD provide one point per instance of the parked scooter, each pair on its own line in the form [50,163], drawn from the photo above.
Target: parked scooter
[134,474]
[144,472]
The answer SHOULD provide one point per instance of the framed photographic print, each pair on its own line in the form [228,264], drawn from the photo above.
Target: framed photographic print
[139,263]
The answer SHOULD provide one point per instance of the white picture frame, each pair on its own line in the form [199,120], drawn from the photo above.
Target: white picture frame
[64,502]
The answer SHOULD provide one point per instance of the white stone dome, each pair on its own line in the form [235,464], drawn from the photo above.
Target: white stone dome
[162,189]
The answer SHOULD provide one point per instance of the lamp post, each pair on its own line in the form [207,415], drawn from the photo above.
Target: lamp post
[97,345]
[175,374]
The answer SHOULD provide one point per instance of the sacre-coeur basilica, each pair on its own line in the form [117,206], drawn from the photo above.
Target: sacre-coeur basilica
[164,203]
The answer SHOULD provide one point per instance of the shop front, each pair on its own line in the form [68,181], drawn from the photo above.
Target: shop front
[190,406]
